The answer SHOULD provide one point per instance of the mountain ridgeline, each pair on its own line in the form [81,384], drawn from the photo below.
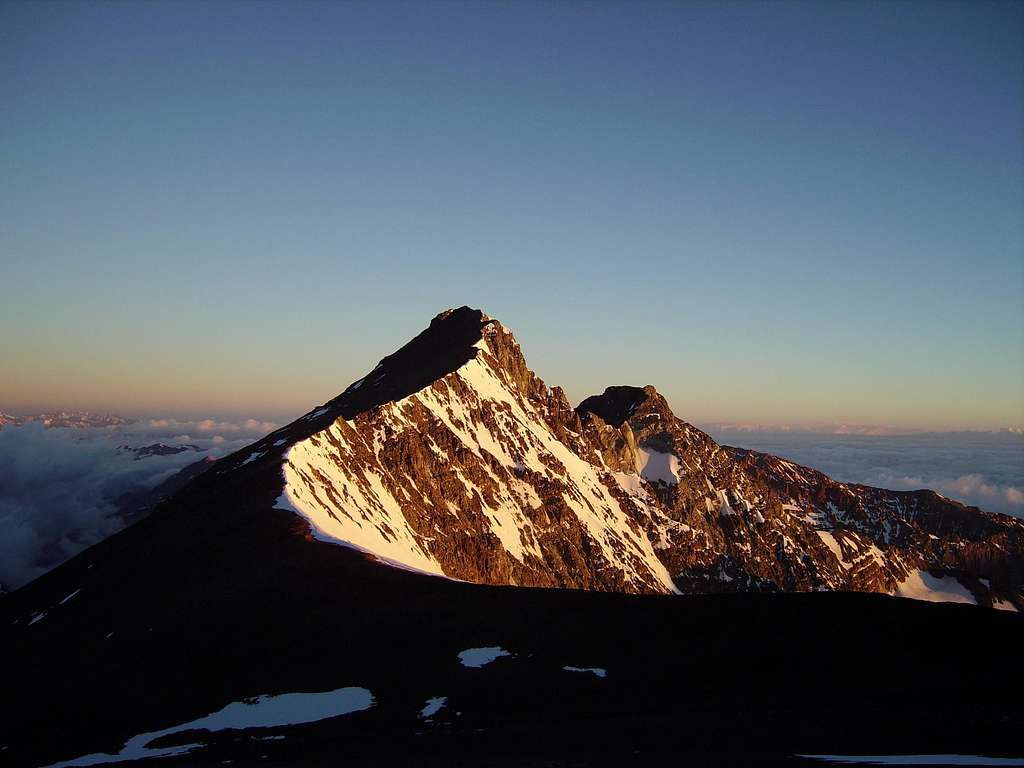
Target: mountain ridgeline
[452,458]
[217,628]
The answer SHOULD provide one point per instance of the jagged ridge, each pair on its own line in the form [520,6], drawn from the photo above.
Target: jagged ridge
[453,458]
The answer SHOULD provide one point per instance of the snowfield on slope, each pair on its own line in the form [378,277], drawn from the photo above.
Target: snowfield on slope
[344,496]
[921,585]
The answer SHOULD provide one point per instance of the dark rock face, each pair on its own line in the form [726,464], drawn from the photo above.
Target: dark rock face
[617,404]
[453,458]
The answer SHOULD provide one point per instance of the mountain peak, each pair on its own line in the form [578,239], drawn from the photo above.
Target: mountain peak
[449,342]
[619,404]
[453,338]
[458,315]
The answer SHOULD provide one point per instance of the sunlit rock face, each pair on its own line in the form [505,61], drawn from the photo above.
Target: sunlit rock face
[484,476]
[453,458]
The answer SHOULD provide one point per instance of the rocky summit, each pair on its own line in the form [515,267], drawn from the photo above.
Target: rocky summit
[453,458]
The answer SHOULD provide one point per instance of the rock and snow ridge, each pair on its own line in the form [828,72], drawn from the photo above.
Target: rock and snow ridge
[452,458]
[344,481]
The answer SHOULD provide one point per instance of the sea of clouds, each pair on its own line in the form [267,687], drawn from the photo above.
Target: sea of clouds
[984,469]
[59,488]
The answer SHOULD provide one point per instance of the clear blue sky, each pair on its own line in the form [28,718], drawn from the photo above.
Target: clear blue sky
[795,212]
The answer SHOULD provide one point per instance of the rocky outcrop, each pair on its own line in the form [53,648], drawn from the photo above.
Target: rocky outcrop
[752,521]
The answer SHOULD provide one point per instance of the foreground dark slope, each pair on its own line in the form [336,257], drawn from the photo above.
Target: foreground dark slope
[251,608]
[220,595]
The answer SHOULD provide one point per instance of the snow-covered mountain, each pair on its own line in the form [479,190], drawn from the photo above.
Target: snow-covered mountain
[228,626]
[481,472]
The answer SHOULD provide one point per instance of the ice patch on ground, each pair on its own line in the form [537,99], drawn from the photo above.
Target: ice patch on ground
[478,657]
[260,712]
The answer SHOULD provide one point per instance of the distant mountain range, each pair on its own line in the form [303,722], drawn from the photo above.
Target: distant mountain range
[66,419]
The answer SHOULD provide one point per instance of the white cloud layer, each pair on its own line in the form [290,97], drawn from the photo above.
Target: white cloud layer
[59,488]
[983,469]
[253,427]
[973,489]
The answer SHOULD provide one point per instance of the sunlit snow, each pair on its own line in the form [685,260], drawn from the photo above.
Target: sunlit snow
[253,457]
[921,585]
[656,466]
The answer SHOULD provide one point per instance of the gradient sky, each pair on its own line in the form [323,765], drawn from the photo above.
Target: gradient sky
[787,213]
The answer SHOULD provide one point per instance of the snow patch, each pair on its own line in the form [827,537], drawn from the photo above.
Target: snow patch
[478,657]
[658,467]
[260,712]
[596,670]
[433,706]
[253,457]
[318,412]
[921,585]
[724,508]
[1003,605]
[830,542]
[631,484]
[371,519]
